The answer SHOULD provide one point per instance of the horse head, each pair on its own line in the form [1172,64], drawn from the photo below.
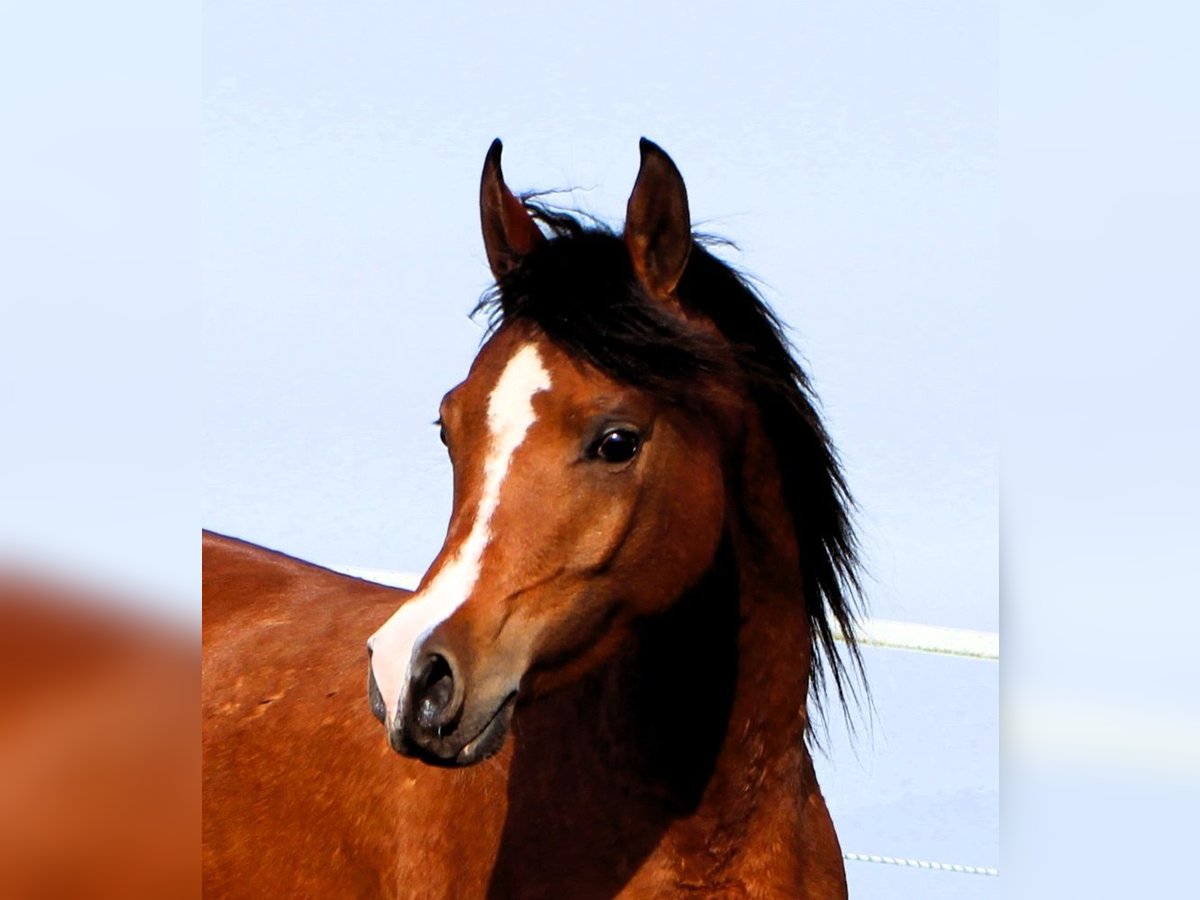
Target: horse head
[587,497]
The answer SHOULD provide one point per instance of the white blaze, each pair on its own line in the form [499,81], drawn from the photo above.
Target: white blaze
[509,416]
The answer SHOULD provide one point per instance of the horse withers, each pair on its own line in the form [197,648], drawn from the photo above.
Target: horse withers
[600,686]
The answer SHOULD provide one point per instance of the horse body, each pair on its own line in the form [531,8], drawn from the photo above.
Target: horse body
[600,687]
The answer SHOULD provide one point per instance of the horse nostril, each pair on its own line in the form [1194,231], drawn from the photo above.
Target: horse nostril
[433,690]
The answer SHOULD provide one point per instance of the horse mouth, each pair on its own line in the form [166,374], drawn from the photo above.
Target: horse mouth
[491,737]
[484,745]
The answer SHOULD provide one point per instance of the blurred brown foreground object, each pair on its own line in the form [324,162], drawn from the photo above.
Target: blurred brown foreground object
[99,748]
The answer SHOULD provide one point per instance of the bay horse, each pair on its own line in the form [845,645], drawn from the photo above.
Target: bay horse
[600,686]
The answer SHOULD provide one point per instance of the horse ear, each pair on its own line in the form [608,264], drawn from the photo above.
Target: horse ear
[509,232]
[658,229]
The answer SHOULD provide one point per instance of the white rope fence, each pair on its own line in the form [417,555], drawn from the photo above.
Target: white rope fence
[391,578]
[921,864]
[928,639]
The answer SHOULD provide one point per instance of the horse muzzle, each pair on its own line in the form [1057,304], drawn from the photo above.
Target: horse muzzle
[436,722]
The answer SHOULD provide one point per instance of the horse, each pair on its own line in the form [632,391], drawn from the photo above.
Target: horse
[601,686]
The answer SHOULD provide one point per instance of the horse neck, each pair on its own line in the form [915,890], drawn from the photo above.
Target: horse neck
[712,702]
[688,748]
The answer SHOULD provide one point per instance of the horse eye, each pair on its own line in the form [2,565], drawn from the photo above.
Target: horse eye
[618,445]
[442,436]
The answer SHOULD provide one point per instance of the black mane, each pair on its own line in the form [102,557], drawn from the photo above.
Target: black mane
[579,288]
